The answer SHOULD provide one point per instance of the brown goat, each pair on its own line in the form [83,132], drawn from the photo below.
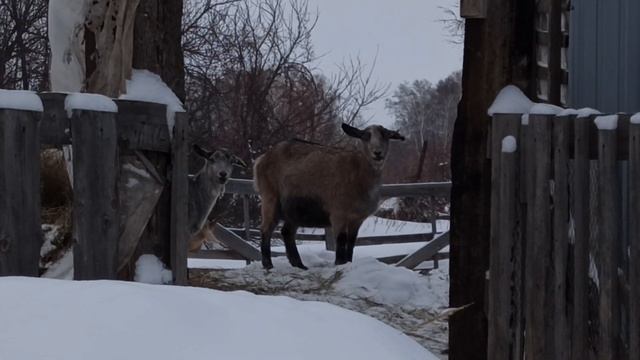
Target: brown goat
[311,185]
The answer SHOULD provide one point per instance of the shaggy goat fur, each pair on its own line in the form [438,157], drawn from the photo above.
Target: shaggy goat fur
[310,185]
[207,184]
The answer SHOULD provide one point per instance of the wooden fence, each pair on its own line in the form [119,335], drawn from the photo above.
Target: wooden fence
[99,139]
[238,240]
[564,277]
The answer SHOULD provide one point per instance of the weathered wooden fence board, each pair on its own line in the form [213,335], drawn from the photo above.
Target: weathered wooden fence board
[504,200]
[143,126]
[580,208]
[95,205]
[426,252]
[538,292]
[20,234]
[609,214]
[634,241]
[179,200]
[560,194]
[55,129]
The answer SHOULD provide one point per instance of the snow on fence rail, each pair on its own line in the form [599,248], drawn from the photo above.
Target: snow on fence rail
[564,278]
[232,238]
[102,142]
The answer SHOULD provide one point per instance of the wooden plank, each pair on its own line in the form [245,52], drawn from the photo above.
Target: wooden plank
[503,201]
[555,48]
[223,255]
[179,199]
[560,198]
[501,334]
[55,129]
[244,186]
[634,242]
[246,216]
[538,243]
[20,234]
[143,126]
[609,214]
[95,201]
[580,209]
[236,243]
[426,252]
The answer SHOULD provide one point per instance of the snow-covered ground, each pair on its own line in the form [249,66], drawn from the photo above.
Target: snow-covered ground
[412,303]
[57,319]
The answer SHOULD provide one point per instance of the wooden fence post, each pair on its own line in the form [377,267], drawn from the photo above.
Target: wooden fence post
[560,194]
[503,237]
[609,214]
[538,285]
[179,200]
[634,241]
[95,201]
[20,234]
[580,207]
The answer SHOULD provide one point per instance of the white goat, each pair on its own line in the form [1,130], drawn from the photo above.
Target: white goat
[207,184]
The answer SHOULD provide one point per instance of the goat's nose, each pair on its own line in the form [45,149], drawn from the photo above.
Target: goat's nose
[223,174]
[377,153]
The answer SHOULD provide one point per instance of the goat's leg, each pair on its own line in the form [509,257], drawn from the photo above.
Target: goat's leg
[289,236]
[350,244]
[341,248]
[352,235]
[269,222]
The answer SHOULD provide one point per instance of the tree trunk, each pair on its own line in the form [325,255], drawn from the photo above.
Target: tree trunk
[497,53]
[157,42]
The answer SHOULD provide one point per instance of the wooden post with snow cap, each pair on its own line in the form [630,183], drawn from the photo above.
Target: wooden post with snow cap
[20,234]
[609,214]
[504,132]
[95,167]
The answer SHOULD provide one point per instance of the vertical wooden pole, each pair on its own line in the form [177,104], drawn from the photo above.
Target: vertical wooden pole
[503,237]
[634,241]
[20,234]
[580,206]
[538,289]
[179,200]
[609,214]
[95,201]
[245,214]
[560,194]
[434,231]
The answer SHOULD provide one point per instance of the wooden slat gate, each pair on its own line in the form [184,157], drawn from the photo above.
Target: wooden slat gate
[564,277]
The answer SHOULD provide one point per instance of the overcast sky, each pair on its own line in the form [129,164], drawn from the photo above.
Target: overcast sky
[410,42]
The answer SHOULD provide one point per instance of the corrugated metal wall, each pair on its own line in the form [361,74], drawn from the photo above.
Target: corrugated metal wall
[604,55]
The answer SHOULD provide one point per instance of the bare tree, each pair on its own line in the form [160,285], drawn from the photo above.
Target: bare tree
[249,77]
[24,49]
[426,113]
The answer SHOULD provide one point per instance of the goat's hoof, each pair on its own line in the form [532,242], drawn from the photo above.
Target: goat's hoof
[267,265]
[300,266]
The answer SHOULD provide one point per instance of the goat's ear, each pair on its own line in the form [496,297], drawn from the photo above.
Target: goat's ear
[352,131]
[202,152]
[238,162]
[393,135]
